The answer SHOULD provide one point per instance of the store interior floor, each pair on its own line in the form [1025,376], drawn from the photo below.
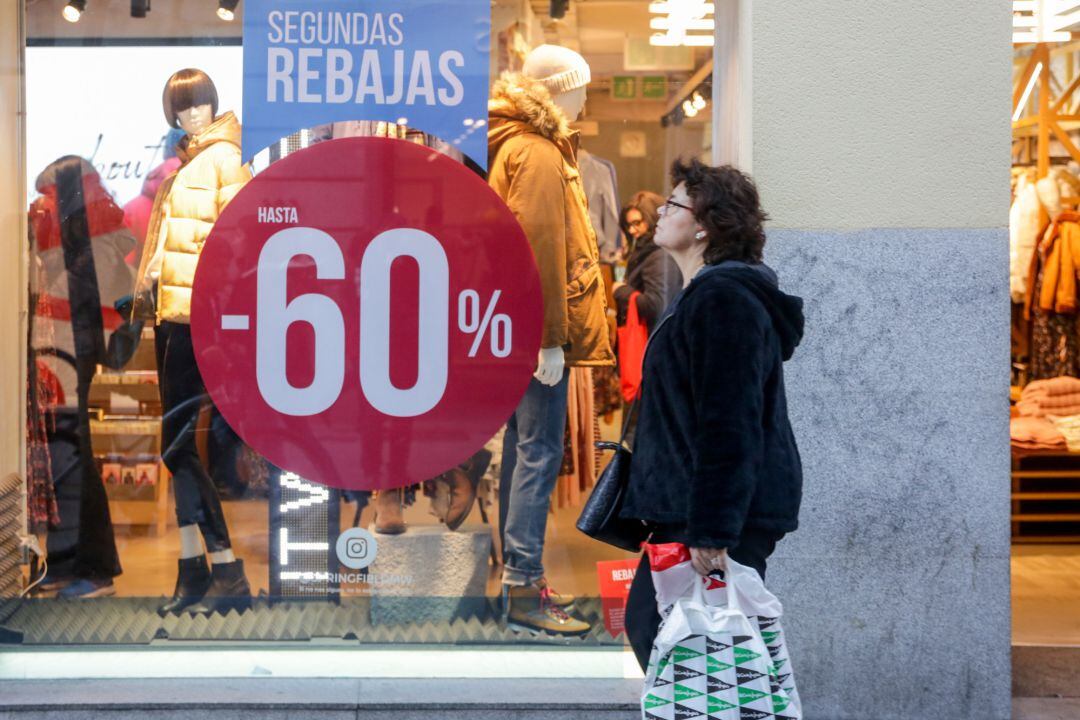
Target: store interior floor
[1046,594]
[150,562]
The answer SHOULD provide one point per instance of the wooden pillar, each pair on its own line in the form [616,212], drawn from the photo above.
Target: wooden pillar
[1043,163]
[13,242]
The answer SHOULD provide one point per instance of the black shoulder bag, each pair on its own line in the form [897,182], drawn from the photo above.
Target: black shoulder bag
[600,517]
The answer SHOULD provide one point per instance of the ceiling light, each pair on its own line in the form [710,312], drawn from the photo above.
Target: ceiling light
[671,40]
[665,23]
[227,9]
[688,108]
[74,10]
[139,8]
[698,101]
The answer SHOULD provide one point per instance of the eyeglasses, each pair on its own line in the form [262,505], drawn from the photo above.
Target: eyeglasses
[664,208]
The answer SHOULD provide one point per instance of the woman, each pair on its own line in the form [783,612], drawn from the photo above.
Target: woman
[715,465]
[79,244]
[651,273]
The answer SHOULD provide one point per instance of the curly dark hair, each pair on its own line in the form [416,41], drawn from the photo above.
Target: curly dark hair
[726,204]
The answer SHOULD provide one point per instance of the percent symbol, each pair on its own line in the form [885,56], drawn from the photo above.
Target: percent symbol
[497,327]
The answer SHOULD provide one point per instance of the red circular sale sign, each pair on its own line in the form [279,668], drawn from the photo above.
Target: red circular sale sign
[366,313]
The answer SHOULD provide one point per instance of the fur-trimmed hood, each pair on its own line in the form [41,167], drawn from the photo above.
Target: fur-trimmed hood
[519,105]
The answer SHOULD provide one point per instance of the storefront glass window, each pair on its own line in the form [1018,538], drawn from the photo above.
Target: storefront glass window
[145,485]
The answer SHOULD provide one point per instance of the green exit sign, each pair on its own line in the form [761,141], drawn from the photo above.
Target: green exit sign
[654,87]
[624,87]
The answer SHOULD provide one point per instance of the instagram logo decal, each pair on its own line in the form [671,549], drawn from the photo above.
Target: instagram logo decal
[356,548]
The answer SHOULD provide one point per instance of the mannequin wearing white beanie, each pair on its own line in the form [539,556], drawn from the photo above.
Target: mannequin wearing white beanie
[565,74]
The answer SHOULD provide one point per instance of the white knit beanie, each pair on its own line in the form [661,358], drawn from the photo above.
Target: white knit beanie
[559,69]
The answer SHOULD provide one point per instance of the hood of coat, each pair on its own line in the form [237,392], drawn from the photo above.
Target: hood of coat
[522,105]
[157,176]
[225,129]
[786,311]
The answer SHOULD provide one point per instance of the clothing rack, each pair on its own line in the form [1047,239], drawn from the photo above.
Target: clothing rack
[1053,116]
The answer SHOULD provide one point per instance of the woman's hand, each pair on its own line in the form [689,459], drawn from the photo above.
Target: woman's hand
[707,560]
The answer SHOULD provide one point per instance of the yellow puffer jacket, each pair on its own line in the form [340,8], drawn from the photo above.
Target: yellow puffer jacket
[186,208]
[532,165]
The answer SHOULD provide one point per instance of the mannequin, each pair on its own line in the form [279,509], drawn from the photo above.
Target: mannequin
[186,206]
[533,167]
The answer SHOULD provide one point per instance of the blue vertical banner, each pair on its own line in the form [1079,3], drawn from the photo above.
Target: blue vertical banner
[423,63]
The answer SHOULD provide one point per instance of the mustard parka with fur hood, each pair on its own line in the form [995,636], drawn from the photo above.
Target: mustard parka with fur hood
[532,165]
[185,209]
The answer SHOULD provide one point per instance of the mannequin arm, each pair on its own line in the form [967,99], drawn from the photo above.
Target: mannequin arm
[536,197]
[231,175]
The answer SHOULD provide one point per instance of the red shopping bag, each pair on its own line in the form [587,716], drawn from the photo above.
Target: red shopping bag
[632,339]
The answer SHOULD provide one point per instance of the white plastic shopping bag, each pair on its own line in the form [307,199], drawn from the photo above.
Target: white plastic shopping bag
[721,659]
[673,575]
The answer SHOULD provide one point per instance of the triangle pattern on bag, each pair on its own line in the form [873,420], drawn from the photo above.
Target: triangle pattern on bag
[718,705]
[715,685]
[654,701]
[682,692]
[746,675]
[687,713]
[682,672]
[715,646]
[748,714]
[780,702]
[681,653]
[713,665]
[749,695]
[745,655]
[764,622]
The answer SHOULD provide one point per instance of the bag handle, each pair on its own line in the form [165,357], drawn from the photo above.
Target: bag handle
[732,595]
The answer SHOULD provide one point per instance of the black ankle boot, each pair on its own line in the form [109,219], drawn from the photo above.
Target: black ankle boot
[192,582]
[229,590]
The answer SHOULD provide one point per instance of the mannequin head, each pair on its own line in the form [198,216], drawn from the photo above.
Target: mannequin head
[571,102]
[564,73]
[190,101]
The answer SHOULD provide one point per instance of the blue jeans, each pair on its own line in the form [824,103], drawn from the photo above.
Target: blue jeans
[532,456]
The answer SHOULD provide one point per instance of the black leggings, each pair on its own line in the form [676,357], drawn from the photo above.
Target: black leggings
[642,615]
[182,394]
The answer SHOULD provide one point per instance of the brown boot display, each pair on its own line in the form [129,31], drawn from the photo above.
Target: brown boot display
[531,610]
[389,512]
[462,497]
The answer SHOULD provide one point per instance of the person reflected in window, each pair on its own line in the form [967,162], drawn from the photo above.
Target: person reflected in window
[650,272]
[715,465]
[80,288]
